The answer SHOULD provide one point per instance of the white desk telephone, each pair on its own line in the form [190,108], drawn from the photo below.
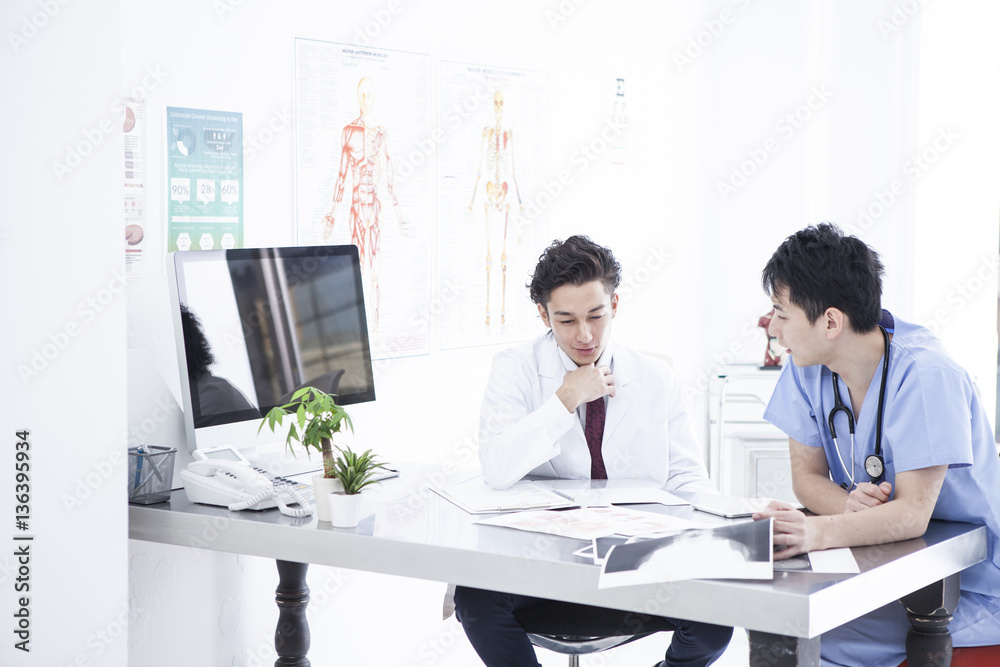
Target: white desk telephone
[222,476]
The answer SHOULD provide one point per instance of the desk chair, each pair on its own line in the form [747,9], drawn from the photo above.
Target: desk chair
[580,630]
[974,656]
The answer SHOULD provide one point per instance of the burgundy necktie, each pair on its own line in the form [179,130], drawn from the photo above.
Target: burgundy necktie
[595,436]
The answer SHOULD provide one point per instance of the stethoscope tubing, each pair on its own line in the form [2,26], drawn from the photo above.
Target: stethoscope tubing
[838,406]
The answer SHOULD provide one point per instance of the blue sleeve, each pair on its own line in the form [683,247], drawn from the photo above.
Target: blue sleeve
[928,422]
[792,409]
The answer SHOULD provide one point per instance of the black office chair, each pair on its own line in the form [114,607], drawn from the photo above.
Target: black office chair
[576,630]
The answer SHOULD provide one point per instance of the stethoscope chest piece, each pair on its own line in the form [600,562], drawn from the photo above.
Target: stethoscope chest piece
[875,468]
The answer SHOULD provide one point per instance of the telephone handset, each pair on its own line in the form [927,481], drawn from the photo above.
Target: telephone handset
[235,485]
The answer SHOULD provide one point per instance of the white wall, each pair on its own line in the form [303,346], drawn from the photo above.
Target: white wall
[878,91]
[62,333]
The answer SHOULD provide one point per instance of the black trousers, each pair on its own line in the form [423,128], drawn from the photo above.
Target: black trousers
[497,625]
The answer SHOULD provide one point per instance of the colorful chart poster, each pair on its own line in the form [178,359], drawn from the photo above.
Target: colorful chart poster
[204,179]
[492,206]
[363,146]
[134,128]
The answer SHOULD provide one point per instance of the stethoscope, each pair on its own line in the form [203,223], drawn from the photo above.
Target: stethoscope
[874,465]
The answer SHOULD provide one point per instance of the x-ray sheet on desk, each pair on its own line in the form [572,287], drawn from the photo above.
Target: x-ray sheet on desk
[729,551]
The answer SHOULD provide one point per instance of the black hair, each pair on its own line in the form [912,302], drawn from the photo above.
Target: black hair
[575,261]
[819,268]
[198,351]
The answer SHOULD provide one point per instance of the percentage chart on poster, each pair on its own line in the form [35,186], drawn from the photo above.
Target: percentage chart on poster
[204,176]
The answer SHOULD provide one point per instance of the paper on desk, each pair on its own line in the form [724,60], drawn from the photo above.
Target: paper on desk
[476,497]
[833,561]
[590,522]
[612,492]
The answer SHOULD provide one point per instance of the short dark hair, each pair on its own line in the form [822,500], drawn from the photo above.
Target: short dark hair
[821,268]
[196,346]
[575,261]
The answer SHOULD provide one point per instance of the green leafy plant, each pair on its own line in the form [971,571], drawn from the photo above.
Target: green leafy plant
[355,471]
[316,417]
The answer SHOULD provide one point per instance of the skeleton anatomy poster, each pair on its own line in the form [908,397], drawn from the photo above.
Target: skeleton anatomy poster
[363,177]
[492,125]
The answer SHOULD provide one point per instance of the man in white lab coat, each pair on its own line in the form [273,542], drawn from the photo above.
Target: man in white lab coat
[572,404]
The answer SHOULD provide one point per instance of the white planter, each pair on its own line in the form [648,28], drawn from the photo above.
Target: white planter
[322,488]
[344,509]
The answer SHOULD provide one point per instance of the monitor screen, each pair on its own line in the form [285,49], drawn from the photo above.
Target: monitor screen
[255,324]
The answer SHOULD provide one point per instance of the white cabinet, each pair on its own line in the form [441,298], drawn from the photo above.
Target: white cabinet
[747,455]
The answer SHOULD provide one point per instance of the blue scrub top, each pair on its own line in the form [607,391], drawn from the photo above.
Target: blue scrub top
[932,417]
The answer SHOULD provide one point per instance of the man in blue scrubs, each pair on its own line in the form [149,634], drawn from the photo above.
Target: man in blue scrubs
[939,459]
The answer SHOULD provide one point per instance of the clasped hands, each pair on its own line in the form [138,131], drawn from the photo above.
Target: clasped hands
[795,533]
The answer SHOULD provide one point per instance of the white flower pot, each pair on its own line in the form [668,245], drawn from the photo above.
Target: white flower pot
[344,509]
[322,488]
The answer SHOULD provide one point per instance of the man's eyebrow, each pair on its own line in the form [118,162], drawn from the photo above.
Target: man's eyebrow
[777,306]
[564,313]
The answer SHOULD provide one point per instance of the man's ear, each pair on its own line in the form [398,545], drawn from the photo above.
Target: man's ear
[614,304]
[835,322]
[544,314]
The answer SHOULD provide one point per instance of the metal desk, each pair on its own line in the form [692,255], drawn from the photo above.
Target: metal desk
[415,533]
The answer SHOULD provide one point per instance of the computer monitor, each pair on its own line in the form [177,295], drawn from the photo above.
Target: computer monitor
[252,325]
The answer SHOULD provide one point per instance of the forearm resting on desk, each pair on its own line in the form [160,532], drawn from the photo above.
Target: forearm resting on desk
[904,517]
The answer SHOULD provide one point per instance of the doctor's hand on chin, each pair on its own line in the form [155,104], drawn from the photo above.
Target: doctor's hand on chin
[794,532]
[585,384]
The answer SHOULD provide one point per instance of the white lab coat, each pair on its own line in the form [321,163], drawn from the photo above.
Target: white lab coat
[524,427]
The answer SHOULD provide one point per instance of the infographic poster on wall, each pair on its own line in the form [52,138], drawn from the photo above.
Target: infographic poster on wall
[492,203]
[134,163]
[363,177]
[204,179]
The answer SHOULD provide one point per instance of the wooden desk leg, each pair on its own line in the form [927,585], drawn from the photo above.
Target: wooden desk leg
[291,636]
[768,650]
[930,609]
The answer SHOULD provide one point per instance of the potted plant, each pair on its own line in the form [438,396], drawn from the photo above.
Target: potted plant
[316,417]
[355,472]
